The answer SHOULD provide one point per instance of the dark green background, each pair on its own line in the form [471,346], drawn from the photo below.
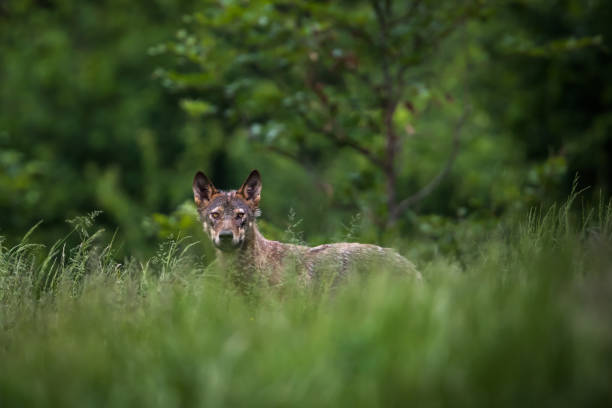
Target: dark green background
[104,106]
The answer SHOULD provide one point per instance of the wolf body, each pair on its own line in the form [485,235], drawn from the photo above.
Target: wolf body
[228,217]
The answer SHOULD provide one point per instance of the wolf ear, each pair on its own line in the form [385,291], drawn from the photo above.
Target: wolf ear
[203,189]
[251,189]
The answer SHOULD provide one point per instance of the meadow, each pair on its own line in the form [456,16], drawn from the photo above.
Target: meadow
[527,322]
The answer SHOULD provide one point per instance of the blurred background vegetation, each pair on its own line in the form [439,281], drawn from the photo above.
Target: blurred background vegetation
[377,120]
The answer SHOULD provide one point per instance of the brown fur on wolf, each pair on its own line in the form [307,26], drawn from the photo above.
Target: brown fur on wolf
[229,219]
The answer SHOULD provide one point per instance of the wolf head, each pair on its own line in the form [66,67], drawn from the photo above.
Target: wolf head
[227,216]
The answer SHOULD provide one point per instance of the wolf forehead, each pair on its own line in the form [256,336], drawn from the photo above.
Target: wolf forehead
[228,201]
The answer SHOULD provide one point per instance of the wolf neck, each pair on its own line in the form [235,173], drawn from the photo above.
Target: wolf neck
[254,244]
[247,260]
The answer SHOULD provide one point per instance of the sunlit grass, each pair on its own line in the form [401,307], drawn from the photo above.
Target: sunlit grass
[527,322]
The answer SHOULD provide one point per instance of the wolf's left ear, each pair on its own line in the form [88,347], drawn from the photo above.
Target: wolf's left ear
[251,189]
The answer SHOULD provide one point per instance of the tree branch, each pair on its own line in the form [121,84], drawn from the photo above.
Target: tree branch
[358,148]
[341,140]
[431,186]
[286,154]
[409,13]
[335,134]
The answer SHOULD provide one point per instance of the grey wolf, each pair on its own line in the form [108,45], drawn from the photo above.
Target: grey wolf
[229,219]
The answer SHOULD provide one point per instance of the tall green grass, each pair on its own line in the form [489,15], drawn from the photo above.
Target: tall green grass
[527,322]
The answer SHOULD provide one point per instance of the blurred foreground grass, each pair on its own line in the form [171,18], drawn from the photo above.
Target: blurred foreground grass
[528,322]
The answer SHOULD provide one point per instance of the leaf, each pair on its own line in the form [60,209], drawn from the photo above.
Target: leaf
[197,108]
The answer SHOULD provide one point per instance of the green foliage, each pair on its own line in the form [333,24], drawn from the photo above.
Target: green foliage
[82,123]
[307,79]
[524,323]
[550,61]
[345,107]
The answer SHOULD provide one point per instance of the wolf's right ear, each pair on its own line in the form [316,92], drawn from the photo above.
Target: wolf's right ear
[203,189]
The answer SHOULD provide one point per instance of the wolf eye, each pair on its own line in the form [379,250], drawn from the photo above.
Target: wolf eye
[239,216]
[215,215]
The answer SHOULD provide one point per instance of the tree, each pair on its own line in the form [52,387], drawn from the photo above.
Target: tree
[550,60]
[304,79]
[83,126]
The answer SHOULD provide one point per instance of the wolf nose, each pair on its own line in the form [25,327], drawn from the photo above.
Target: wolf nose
[226,235]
